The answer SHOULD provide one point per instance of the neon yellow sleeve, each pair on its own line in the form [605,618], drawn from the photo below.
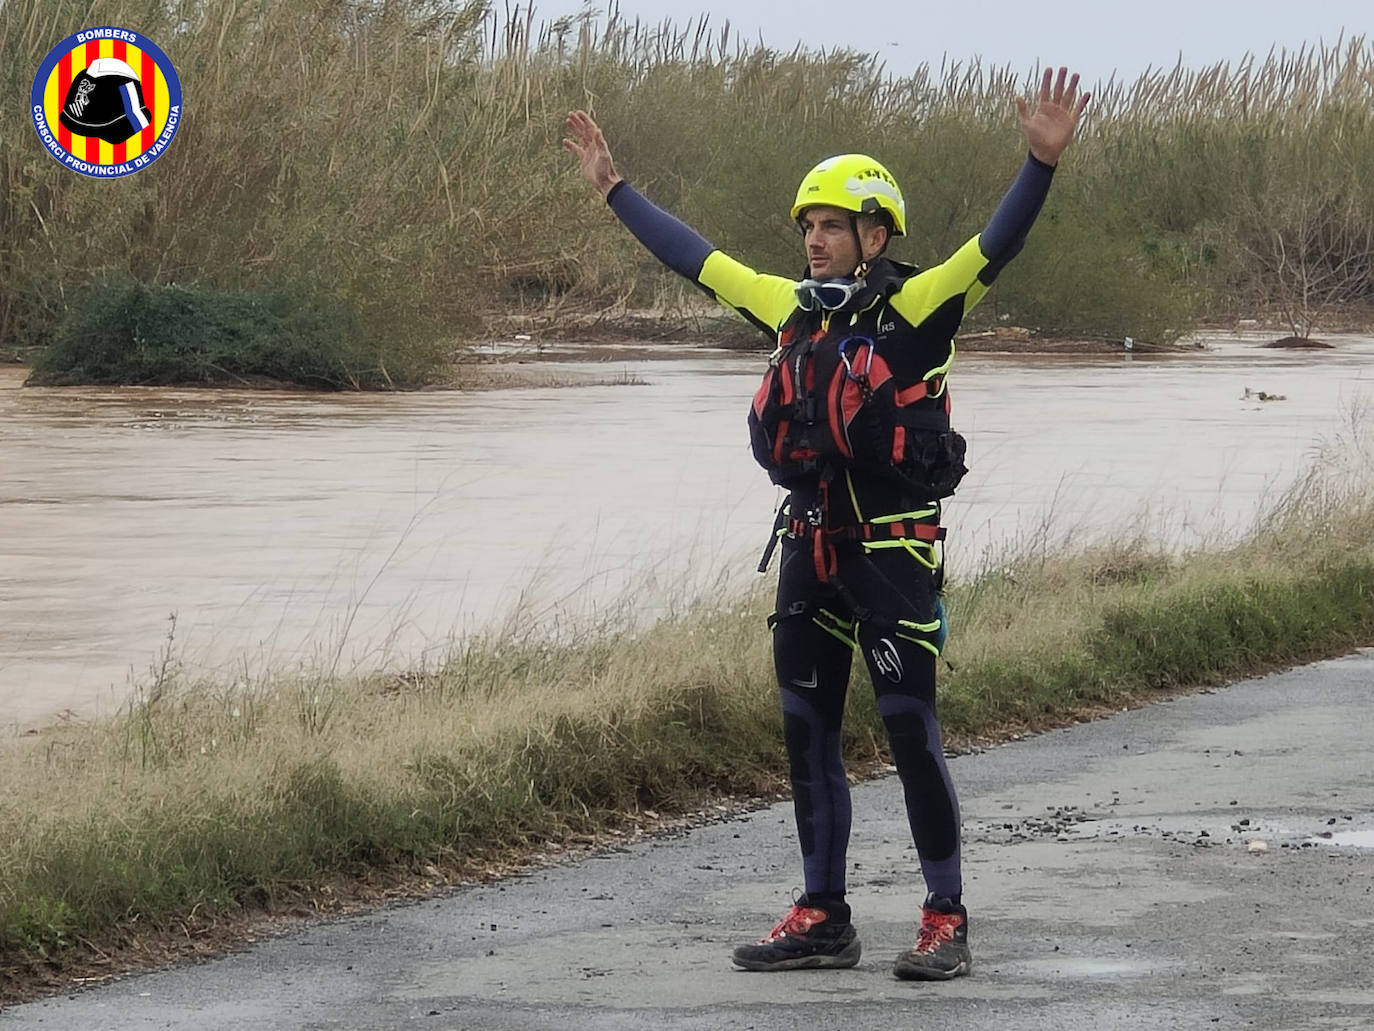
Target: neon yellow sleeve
[926,291]
[764,300]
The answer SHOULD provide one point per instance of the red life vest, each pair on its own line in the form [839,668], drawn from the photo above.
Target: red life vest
[829,400]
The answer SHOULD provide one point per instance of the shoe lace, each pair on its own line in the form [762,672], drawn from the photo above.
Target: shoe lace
[798,921]
[936,929]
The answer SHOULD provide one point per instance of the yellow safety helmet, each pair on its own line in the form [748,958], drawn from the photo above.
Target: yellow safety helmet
[853,182]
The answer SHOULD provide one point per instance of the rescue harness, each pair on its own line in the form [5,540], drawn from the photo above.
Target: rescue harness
[829,404]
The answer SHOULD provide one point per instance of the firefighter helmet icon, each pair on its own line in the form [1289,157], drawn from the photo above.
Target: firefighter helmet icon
[106,100]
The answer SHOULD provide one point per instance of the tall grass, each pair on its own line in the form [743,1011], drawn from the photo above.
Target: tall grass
[204,798]
[401,160]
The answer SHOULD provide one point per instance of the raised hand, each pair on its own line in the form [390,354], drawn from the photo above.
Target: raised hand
[1049,129]
[589,146]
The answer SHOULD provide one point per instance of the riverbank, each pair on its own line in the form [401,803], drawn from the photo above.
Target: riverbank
[509,348]
[485,363]
[521,360]
[695,323]
[205,810]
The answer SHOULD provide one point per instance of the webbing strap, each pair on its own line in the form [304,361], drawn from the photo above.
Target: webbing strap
[902,529]
[779,528]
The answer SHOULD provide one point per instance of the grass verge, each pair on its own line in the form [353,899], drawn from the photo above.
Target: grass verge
[201,802]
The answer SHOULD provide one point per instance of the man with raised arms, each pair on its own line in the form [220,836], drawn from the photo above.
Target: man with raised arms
[853,420]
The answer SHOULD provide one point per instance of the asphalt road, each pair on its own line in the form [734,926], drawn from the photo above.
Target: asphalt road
[1111,881]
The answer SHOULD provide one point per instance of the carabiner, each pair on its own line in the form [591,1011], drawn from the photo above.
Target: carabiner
[857,377]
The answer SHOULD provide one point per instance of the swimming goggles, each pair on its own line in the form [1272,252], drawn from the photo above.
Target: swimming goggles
[830,296]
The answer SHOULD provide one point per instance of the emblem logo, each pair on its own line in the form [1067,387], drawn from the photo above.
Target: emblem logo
[106,102]
[887,661]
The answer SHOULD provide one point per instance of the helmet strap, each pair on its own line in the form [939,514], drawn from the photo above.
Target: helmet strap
[859,244]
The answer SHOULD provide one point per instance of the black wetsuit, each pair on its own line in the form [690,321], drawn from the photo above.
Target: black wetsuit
[884,600]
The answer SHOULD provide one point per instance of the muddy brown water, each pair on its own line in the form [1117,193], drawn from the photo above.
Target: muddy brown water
[263,531]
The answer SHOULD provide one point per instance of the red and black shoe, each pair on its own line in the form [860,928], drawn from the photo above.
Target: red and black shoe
[941,951]
[805,939]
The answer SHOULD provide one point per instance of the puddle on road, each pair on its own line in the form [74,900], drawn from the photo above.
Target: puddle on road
[1357,831]
[1069,824]
[1237,835]
[1349,839]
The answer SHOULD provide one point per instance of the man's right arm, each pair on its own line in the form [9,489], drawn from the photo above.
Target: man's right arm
[764,300]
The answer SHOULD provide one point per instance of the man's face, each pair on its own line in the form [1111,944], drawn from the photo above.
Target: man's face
[831,250]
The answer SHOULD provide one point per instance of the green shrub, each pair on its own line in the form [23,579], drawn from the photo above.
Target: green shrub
[131,333]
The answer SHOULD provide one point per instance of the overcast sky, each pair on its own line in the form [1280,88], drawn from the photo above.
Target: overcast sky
[1093,38]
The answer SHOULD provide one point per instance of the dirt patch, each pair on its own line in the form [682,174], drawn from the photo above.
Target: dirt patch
[981,343]
[1292,343]
[709,327]
[507,373]
[729,333]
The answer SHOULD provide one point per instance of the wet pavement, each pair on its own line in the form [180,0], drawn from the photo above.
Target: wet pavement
[1113,878]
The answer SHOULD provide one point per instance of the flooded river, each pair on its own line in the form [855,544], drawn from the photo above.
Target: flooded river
[266,530]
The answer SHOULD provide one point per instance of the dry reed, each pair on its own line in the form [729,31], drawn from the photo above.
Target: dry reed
[403,159]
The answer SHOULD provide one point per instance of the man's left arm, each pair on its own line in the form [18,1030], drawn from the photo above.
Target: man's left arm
[968,273]
[1048,131]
